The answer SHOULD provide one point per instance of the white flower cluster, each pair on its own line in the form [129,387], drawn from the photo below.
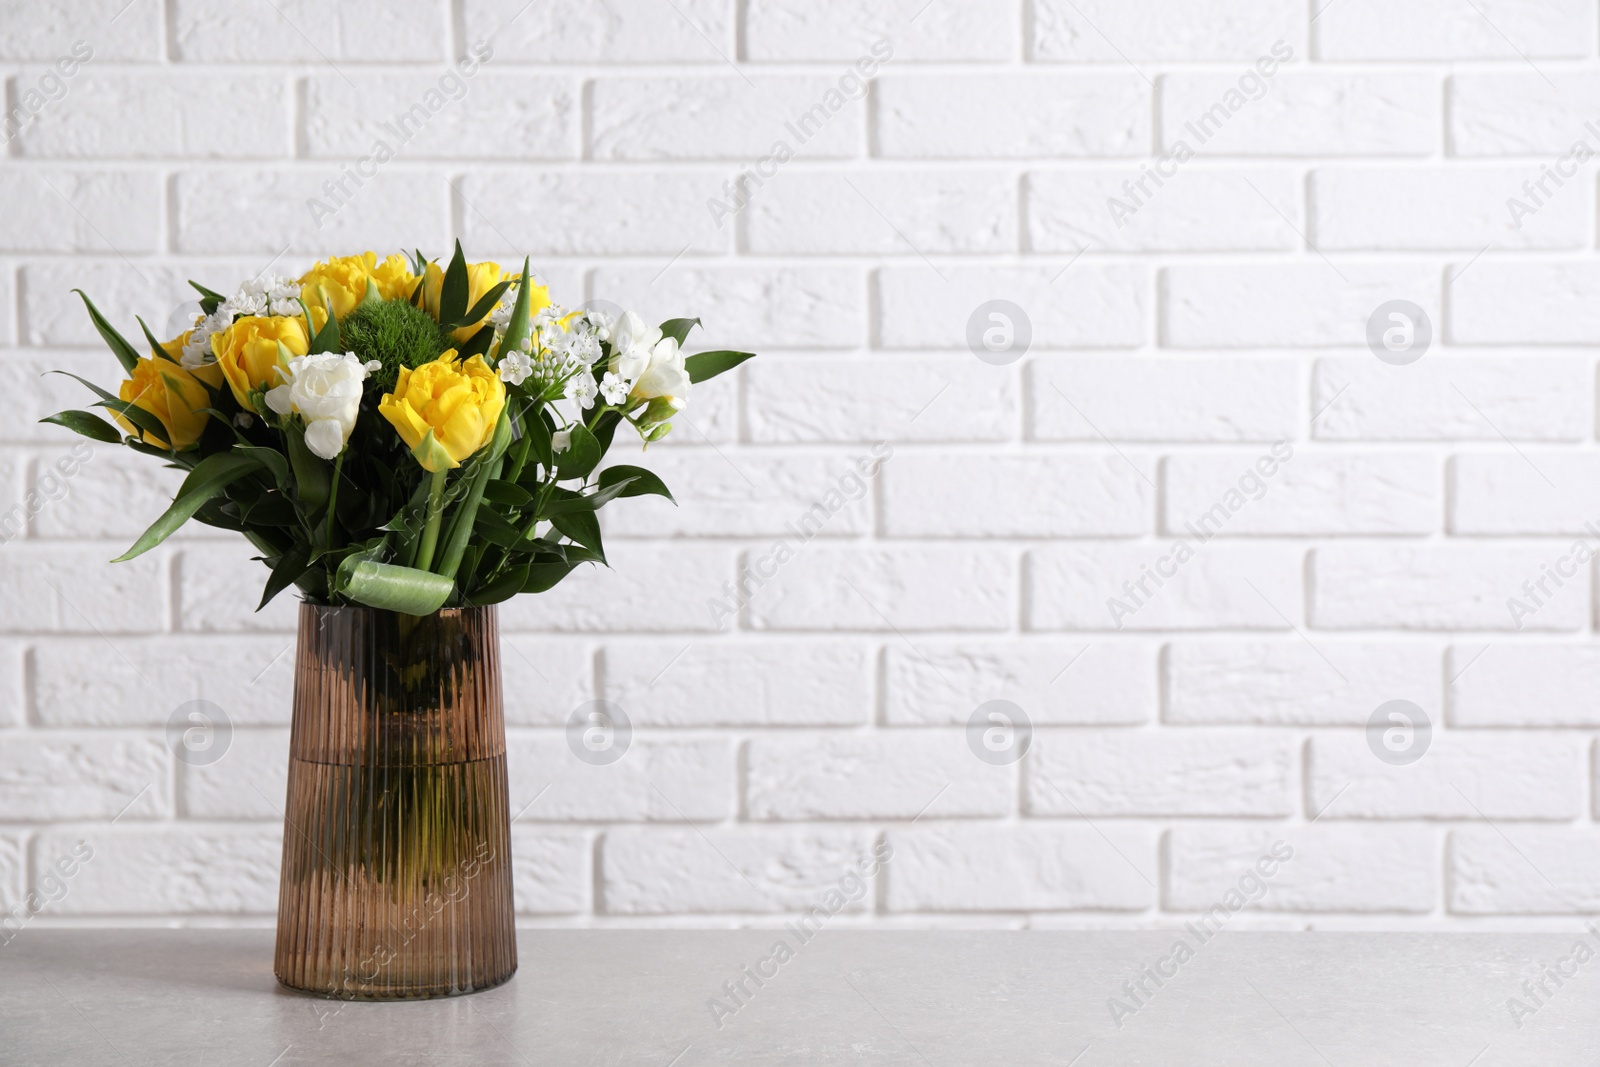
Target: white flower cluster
[563,346]
[275,295]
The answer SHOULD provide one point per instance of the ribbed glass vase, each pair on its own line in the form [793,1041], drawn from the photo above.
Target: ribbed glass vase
[396,878]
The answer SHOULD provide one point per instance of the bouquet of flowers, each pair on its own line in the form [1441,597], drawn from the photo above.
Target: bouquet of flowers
[398,434]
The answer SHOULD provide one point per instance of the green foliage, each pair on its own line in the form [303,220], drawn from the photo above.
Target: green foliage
[396,333]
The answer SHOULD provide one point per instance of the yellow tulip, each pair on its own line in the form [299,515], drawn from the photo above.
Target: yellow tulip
[342,281]
[166,390]
[481,277]
[458,402]
[248,352]
[210,373]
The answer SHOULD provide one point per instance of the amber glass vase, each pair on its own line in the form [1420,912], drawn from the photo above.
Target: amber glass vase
[396,878]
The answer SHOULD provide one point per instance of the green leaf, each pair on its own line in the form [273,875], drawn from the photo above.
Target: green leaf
[390,587]
[290,566]
[606,428]
[703,365]
[504,587]
[490,525]
[136,415]
[87,424]
[310,471]
[639,481]
[209,300]
[678,329]
[155,345]
[478,344]
[271,459]
[538,429]
[509,494]
[570,502]
[517,326]
[453,293]
[582,456]
[582,527]
[544,576]
[126,354]
[325,339]
[485,302]
[209,477]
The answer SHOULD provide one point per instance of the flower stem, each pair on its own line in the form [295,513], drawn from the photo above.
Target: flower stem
[430,532]
[333,496]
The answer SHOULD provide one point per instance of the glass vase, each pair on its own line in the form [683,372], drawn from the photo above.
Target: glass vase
[396,877]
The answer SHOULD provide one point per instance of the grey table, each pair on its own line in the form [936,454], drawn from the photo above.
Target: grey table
[207,998]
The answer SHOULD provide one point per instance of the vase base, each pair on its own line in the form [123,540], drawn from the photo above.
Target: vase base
[430,992]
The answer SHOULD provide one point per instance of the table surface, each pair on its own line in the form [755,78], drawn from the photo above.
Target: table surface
[81,998]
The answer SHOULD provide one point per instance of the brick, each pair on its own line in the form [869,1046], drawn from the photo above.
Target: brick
[900,774]
[143,681]
[909,587]
[1088,306]
[600,213]
[1011,116]
[54,315]
[550,870]
[1459,776]
[1191,211]
[886,212]
[302,31]
[13,692]
[943,683]
[62,589]
[542,679]
[1439,587]
[92,211]
[1516,685]
[1515,113]
[226,211]
[219,586]
[1302,113]
[1072,588]
[158,114]
[45,776]
[13,871]
[1523,871]
[1083,30]
[493,115]
[1015,496]
[665,781]
[780,30]
[1437,207]
[748,493]
[120,32]
[767,684]
[1312,304]
[891,399]
[646,588]
[601,31]
[1345,493]
[1162,773]
[33,392]
[250,781]
[1491,494]
[1526,398]
[1455,29]
[189,870]
[769,307]
[111,493]
[1291,683]
[1179,400]
[660,872]
[1031,867]
[1526,303]
[1332,869]
[724,117]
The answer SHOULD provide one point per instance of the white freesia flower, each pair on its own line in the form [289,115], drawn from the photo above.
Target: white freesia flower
[614,389]
[325,391]
[631,345]
[561,440]
[664,375]
[515,367]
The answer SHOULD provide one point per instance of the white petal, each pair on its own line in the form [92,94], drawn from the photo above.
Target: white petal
[325,437]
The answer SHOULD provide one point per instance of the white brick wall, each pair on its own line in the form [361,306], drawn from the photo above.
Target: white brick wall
[1220,308]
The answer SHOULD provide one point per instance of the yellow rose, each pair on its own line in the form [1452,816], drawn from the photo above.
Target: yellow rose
[481,277]
[247,351]
[460,402]
[166,390]
[342,281]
